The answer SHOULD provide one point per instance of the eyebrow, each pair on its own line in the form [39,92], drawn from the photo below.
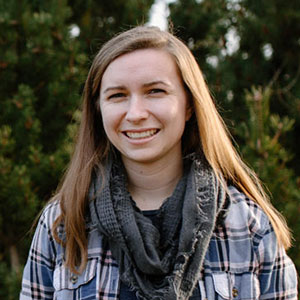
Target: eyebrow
[121,87]
[156,82]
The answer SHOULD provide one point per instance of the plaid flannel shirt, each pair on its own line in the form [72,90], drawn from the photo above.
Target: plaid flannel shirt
[243,261]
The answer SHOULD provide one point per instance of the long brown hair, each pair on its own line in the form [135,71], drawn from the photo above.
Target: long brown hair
[205,130]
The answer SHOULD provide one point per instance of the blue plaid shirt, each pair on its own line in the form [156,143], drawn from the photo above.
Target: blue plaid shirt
[243,261]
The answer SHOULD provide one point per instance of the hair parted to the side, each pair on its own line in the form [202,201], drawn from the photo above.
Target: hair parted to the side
[205,132]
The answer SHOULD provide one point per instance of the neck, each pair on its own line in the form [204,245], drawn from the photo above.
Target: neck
[150,184]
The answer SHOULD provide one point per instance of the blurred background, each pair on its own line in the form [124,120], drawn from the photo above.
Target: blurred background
[247,49]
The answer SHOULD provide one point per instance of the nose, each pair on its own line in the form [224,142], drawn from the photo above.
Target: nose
[137,110]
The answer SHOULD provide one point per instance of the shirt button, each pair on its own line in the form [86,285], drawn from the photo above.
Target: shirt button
[74,279]
[235,292]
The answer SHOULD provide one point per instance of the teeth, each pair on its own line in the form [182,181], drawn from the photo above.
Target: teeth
[140,135]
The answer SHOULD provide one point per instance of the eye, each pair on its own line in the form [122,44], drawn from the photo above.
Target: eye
[156,91]
[116,96]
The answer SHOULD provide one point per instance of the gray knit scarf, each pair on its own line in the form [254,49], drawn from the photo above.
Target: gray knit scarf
[158,263]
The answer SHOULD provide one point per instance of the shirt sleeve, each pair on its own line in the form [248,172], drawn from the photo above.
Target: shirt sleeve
[37,282]
[277,276]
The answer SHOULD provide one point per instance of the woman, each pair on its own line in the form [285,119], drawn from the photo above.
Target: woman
[156,203]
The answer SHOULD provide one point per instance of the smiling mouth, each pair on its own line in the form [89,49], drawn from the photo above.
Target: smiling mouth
[141,135]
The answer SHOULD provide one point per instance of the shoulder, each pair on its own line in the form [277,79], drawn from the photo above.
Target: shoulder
[52,210]
[246,215]
[243,230]
[45,240]
[44,248]
[44,233]
[245,247]
[235,242]
[49,214]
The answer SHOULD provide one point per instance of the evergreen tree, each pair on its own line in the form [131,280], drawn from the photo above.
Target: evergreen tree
[246,43]
[42,69]
[101,20]
[243,43]
[261,136]
[40,72]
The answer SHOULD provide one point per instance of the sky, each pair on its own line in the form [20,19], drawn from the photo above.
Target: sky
[158,17]
[159,13]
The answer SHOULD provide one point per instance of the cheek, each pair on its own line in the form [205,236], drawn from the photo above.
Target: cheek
[112,116]
[177,113]
[108,119]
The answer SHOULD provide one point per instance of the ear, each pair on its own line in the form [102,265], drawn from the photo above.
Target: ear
[188,112]
[189,104]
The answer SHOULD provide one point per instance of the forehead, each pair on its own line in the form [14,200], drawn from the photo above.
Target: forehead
[141,64]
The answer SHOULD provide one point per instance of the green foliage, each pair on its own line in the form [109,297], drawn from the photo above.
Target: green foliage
[265,121]
[42,69]
[100,20]
[266,50]
[261,135]
[10,283]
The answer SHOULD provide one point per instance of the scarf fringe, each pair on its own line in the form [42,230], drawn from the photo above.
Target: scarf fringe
[196,203]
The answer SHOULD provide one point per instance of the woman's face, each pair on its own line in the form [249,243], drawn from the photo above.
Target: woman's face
[144,106]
